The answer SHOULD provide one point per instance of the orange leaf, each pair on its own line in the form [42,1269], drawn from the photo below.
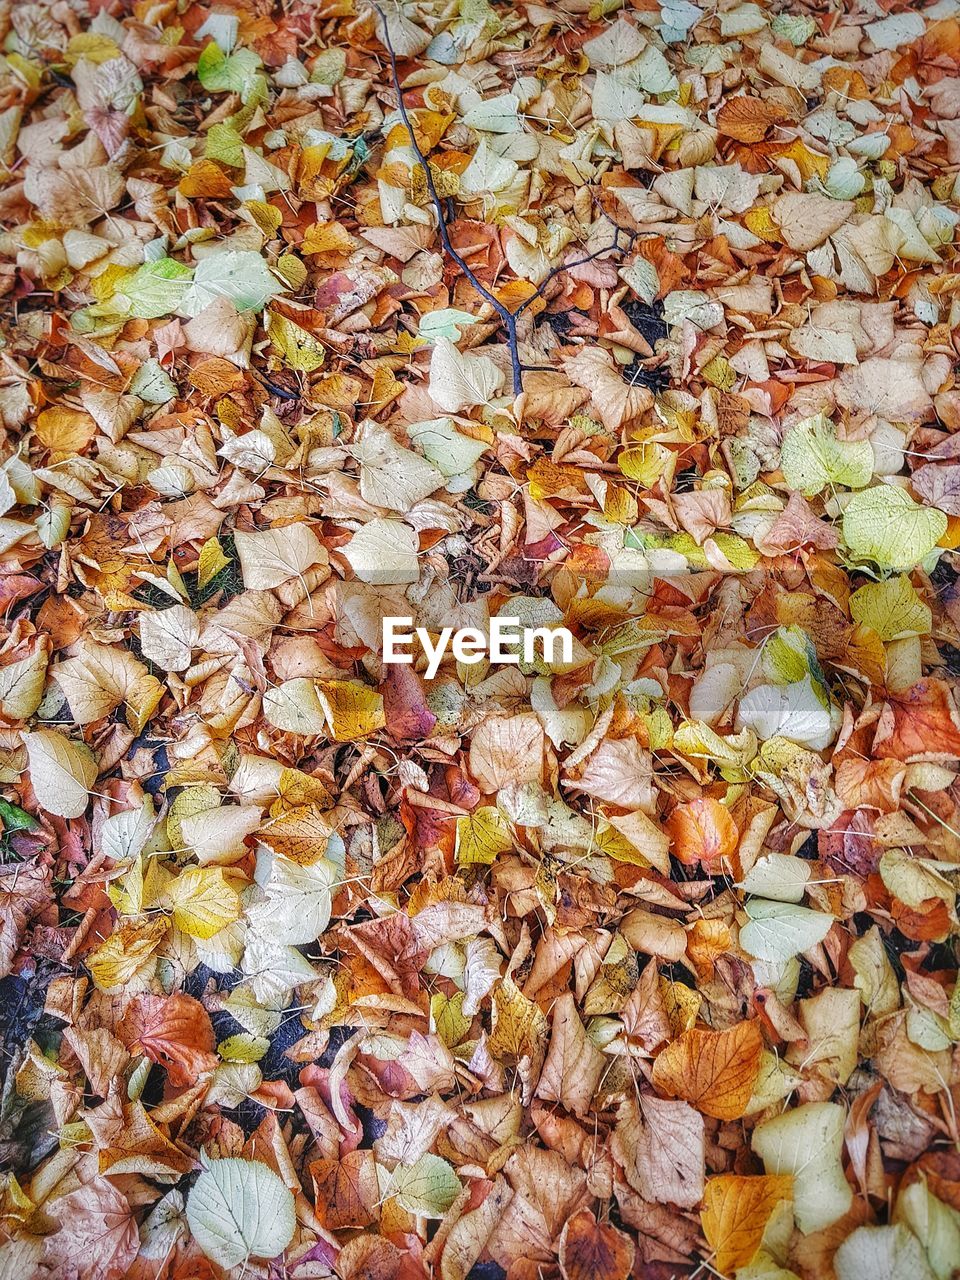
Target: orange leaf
[204,178]
[714,1070]
[748,119]
[702,830]
[590,1250]
[174,1031]
[735,1213]
[919,724]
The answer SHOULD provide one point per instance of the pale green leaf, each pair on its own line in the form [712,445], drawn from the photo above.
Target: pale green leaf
[241,275]
[886,526]
[777,931]
[157,288]
[238,72]
[428,1187]
[806,1142]
[239,1209]
[812,458]
[881,1253]
[778,876]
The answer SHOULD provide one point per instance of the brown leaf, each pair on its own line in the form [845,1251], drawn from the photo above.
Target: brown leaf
[573,1065]
[660,1147]
[347,1191]
[590,1250]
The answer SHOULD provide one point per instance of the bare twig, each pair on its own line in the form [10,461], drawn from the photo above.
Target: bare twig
[508,317]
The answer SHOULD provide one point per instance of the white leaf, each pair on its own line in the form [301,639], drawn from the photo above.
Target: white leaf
[274,556]
[427,1188]
[496,115]
[461,381]
[481,971]
[168,636]
[384,552]
[793,711]
[897,30]
[391,476]
[152,384]
[296,908]
[217,835]
[294,707]
[239,1209]
[123,836]
[486,172]
[620,43]
[615,98]
[61,772]
[274,969]
[446,447]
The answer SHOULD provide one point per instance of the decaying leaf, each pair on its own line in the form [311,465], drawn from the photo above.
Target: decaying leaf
[340,934]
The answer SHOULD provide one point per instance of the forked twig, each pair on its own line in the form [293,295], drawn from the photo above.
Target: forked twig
[508,317]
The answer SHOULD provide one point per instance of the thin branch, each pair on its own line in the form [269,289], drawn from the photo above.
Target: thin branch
[508,317]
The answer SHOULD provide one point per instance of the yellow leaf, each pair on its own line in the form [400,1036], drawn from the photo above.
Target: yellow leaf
[328,237]
[519,1025]
[128,955]
[203,902]
[267,217]
[65,430]
[448,1019]
[736,1210]
[92,47]
[761,223]
[190,802]
[645,463]
[353,709]
[212,560]
[481,835]
[295,789]
[299,348]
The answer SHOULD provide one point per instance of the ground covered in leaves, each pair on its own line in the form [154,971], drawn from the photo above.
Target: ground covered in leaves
[633,319]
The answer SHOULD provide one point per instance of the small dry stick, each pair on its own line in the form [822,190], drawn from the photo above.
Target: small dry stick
[508,317]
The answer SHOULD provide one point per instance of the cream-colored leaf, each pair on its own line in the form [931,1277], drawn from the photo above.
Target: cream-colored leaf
[459,381]
[270,558]
[61,772]
[169,636]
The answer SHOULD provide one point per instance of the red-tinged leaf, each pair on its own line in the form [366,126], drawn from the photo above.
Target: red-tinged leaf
[702,831]
[98,1235]
[920,724]
[590,1250]
[174,1031]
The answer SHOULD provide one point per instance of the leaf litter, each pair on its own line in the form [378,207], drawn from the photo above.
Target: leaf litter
[634,320]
